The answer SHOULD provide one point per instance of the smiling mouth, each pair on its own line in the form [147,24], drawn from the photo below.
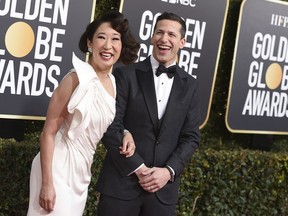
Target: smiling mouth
[106,55]
[163,47]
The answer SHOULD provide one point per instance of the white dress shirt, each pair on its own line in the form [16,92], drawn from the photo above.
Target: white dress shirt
[163,85]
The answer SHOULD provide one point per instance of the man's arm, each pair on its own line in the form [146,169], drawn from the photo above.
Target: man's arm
[189,137]
[112,139]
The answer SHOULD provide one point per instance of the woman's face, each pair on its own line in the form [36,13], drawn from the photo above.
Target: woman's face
[106,48]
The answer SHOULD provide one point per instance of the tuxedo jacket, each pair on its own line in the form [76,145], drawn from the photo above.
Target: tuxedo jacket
[171,142]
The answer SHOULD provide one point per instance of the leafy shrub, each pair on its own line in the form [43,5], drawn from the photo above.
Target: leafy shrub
[215,182]
[15,163]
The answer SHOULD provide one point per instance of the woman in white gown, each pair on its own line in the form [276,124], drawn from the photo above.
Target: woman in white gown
[80,110]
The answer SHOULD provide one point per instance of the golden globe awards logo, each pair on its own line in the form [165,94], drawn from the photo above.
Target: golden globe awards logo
[258,97]
[267,95]
[42,42]
[37,39]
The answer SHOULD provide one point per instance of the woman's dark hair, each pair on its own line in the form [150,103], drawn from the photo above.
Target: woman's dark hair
[120,24]
[174,17]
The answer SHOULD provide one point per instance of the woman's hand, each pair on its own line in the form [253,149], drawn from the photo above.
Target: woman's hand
[128,148]
[47,197]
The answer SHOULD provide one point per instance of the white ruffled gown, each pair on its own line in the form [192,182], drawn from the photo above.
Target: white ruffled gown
[91,110]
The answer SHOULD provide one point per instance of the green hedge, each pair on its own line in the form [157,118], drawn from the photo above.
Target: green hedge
[241,182]
[216,182]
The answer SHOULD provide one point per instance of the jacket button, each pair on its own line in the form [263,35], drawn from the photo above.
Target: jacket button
[157,143]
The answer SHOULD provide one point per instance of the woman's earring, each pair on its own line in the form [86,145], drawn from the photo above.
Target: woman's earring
[90,50]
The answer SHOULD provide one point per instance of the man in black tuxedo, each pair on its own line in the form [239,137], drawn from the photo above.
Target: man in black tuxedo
[161,110]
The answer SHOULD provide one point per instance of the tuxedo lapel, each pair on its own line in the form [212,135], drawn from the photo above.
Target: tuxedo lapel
[146,83]
[176,95]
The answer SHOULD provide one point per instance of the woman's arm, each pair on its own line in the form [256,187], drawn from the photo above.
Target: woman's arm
[57,112]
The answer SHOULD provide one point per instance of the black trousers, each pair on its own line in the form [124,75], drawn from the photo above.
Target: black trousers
[147,204]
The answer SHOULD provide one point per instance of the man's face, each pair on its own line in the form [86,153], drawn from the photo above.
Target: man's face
[167,41]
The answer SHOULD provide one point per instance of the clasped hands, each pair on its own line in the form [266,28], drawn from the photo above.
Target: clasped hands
[150,179]
[153,179]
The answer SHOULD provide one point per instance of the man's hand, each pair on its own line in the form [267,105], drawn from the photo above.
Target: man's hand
[153,179]
[140,172]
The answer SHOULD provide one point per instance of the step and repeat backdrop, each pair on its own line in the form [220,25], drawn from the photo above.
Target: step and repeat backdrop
[205,22]
[37,39]
[258,99]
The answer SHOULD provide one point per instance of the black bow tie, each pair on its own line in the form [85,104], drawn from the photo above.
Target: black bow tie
[170,71]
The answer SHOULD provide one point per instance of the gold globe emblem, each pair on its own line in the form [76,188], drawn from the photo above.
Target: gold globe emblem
[19,39]
[273,76]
